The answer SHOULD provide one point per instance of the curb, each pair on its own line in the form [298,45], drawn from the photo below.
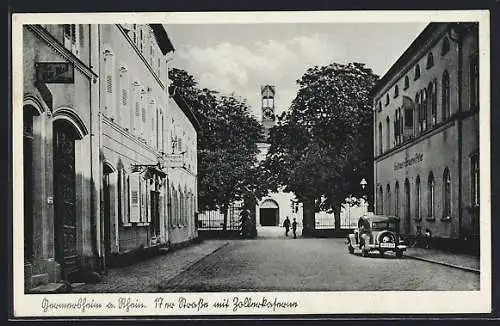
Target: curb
[468,269]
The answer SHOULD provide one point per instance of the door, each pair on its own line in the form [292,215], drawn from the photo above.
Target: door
[407,208]
[155,214]
[268,217]
[64,198]
[106,207]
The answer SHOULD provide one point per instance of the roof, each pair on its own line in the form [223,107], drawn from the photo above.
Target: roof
[406,56]
[181,102]
[161,36]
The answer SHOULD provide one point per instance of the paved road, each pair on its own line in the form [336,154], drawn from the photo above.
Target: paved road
[285,264]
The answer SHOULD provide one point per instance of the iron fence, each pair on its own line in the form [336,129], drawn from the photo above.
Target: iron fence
[214,219]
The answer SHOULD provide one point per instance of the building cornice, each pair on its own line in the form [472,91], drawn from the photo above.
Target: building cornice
[418,48]
[43,34]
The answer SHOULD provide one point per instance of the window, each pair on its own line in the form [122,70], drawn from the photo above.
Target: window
[380,149]
[396,127]
[407,82]
[379,106]
[445,46]
[417,72]
[407,207]
[109,85]
[396,203]
[430,60]
[474,163]
[381,200]
[417,199]
[387,133]
[446,194]
[400,123]
[386,99]
[474,81]
[72,38]
[430,196]
[388,204]
[422,112]
[445,95]
[396,91]
[141,44]
[431,100]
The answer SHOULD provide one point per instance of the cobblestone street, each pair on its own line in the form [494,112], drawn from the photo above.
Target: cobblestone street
[313,265]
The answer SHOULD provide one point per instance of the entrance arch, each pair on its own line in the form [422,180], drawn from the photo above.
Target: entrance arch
[269,213]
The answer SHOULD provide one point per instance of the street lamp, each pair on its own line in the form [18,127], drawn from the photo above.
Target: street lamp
[363,184]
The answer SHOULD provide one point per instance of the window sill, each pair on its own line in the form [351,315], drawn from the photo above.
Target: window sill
[143,224]
[430,218]
[127,225]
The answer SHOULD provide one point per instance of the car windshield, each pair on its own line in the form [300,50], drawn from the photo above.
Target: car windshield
[383,225]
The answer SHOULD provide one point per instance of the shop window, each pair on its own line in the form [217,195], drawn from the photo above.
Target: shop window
[445,95]
[446,194]
[407,208]
[430,196]
[474,162]
[445,46]
[474,81]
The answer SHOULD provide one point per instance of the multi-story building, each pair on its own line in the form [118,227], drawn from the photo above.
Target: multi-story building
[148,144]
[60,107]
[109,149]
[426,134]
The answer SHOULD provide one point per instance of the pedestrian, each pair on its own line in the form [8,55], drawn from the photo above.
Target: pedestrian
[286,225]
[294,228]
[427,236]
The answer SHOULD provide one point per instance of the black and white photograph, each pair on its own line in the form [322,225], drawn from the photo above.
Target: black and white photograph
[265,163]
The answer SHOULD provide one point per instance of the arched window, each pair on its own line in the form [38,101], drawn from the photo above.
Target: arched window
[387,133]
[388,203]
[408,122]
[396,127]
[422,116]
[431,100]
[396,91]
[407,207]
[417,199]
[387,99]
[417,72]
[381,150]
[430,60]
[430,196]
[445,95]
[396,202]
[381,200]
[446,194]
[379,106]
[407,82]
[445,46]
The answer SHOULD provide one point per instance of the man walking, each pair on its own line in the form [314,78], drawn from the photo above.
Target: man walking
[286,225]
[294,228]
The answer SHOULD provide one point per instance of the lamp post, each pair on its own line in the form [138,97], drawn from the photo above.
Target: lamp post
[363,184]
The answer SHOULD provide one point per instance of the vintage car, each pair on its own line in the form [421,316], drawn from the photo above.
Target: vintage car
[376,233]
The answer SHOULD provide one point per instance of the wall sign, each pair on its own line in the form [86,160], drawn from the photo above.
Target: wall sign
[55,72]
[174,160]
[418,157]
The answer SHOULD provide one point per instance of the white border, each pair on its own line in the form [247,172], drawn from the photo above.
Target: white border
[308,302]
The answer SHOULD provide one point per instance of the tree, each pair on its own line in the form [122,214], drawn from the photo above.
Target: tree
[323,146]
[227,144]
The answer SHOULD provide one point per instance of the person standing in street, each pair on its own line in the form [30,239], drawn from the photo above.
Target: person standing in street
[286,225]
[294,228]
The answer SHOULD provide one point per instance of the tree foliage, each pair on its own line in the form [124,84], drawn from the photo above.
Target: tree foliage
[227,143]
[322,147]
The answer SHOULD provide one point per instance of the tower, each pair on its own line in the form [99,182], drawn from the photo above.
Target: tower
[268,114]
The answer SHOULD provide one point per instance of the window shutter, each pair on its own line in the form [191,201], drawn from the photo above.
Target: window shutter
[143,200]
[109,84]
[134,191]
[124,190]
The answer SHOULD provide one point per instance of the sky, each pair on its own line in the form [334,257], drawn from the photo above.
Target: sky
[239,58]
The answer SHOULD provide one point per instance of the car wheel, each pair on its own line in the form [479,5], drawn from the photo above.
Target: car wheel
[399,254]
[350,248]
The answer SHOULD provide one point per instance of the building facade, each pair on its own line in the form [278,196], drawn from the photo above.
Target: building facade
[109,149]
[426,134]
[60,106]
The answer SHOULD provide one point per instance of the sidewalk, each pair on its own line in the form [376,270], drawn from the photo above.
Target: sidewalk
[461,261]
[147,275]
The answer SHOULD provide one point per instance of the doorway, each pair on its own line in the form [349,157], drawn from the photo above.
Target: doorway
[65,199]
[269,217]
[107,218]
